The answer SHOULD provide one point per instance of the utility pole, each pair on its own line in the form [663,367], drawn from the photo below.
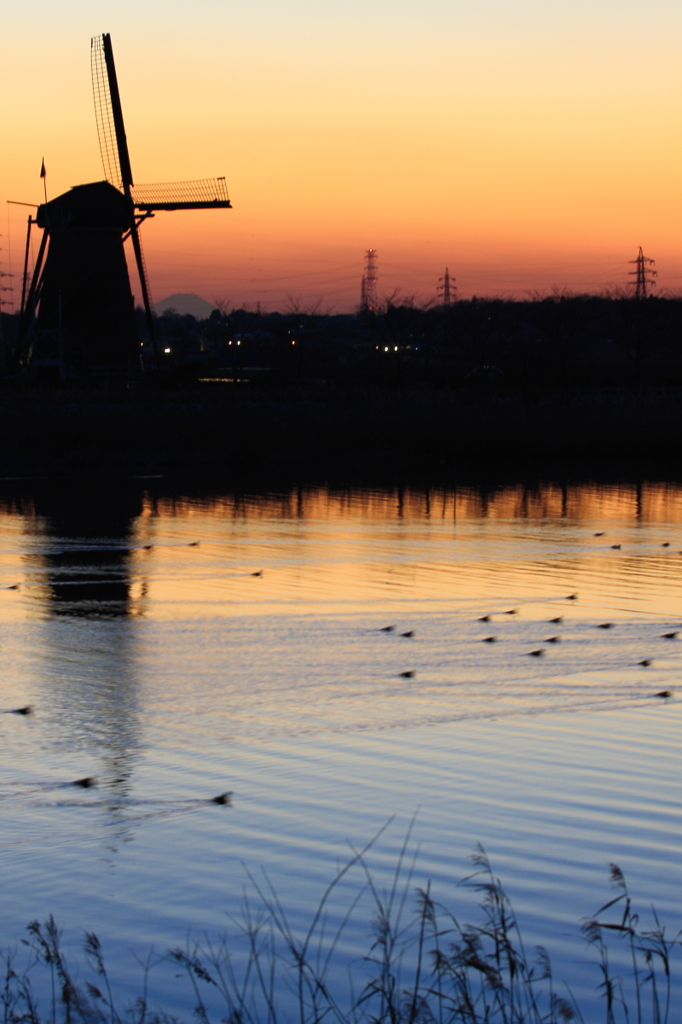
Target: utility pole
[644,274]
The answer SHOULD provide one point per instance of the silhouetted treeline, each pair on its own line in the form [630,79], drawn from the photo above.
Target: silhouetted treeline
[559,341]
[485,380]
[556,341]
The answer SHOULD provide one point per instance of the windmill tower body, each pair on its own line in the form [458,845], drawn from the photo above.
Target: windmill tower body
[78,314]
[86,315]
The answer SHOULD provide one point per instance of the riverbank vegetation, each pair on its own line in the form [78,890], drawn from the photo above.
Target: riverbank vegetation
[421,964]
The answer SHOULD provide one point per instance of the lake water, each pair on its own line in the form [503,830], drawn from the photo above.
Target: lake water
[179,643]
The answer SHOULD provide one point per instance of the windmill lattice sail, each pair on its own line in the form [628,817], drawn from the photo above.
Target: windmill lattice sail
[203,194]
[104,114]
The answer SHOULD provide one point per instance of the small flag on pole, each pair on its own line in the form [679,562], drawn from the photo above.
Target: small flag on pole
[43,172]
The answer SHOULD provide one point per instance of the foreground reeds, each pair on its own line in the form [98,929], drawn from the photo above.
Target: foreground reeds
[422,965]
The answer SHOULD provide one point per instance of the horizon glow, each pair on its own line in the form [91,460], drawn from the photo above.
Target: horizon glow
[523,146]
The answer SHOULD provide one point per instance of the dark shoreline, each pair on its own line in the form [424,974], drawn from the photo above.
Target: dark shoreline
[374,432]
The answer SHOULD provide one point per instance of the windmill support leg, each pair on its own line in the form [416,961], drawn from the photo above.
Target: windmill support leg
[31,299]
[142,273]
[24,280]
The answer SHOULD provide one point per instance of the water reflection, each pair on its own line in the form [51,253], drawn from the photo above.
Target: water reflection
[83,564]
[94,708]
[633,500]
[81,579]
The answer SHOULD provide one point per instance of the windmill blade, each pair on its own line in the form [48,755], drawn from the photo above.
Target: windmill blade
[108,114]
[203,194]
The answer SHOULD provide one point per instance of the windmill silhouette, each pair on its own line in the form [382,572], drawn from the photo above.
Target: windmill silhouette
[77,315]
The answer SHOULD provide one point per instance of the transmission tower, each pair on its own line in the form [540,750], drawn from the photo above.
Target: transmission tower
[5,288]
[643,274]
[368,293]
[446,288]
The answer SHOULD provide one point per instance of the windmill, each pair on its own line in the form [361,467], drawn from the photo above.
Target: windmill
[77,315]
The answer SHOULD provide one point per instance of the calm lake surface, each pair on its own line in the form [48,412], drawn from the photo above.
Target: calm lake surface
[176,645]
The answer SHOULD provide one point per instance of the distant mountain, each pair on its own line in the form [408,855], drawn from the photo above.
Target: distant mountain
[184,304]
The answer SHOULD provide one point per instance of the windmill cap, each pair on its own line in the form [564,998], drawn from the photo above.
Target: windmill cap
[97,205]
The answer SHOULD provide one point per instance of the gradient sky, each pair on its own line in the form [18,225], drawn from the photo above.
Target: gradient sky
[524,145]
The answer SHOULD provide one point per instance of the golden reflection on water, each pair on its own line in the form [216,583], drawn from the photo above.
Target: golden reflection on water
[132,552]
[349,548]
[647,502]
[353,561]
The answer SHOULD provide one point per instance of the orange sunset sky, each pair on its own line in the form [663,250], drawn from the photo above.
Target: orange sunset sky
[524,145]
